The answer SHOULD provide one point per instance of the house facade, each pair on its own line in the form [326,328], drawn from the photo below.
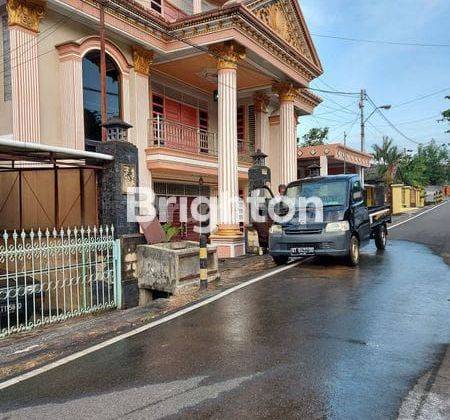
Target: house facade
[203,84]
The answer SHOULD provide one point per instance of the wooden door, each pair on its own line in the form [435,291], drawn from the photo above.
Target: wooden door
[189,120]
[181,127]
[172,111]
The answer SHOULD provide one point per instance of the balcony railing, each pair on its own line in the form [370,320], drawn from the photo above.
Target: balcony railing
[175,135]
[178,136]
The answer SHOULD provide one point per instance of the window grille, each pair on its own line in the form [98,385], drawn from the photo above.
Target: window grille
[188,190]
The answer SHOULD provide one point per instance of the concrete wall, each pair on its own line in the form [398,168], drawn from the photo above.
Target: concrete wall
[406,196]
[396,196]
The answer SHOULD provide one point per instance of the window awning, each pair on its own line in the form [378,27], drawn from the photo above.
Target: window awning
[17,151]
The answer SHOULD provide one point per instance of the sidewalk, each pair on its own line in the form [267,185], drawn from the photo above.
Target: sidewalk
[430,396]
[413,211]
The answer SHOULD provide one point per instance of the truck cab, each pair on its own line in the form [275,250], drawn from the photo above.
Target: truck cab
[345,223]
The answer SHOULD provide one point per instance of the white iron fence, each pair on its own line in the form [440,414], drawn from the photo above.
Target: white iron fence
[49,276]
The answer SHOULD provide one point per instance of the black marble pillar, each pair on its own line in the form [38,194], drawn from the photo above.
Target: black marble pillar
[113,182]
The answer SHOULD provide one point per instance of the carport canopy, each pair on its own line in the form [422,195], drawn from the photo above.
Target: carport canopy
[17,151]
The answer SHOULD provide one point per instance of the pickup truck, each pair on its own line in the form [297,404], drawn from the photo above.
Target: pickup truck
[347,224]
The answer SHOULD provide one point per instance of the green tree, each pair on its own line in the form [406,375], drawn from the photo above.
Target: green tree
[315,137]
[388,159]
[436,158]
[412,170]
[429,166]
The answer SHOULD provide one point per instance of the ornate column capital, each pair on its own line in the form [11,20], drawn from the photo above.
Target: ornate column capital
[142,60]
[24,13]
[260,102]
[228,54]
[286,91]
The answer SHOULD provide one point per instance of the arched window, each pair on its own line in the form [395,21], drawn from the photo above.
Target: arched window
[92,95]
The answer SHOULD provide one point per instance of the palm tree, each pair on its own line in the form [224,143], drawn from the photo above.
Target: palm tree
[388,158]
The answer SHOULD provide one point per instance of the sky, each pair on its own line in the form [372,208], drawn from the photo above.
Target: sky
[391,74]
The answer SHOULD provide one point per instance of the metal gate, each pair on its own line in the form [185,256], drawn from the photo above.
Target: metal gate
[49,276]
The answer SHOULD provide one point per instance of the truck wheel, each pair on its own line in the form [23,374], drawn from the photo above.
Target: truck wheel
[280,259]
[353,252]
[381,237]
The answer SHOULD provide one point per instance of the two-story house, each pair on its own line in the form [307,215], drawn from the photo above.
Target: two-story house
[203,83]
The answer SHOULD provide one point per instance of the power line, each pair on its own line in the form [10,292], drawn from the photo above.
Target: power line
[334,92]
[136,17]
[55,27]
[373,41]
[375,128]
[420,98]
[350,124]
[344,110]
[434,117]
[377,109]
[343,107]
[39,38]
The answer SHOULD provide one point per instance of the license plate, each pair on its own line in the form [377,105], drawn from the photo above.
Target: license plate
[307,250]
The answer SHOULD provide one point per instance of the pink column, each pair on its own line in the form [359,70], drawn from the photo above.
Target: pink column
[197,6]
[142,60]
[71,99]
[23,20]
[228,238]
[25,84]
[288,153]
[227,149]
[261,102]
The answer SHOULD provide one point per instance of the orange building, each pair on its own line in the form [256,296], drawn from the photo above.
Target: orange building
[330,159]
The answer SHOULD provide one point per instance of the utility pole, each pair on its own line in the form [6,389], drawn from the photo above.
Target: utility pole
[361,110]
[363,146]
[345,153]
[103,105]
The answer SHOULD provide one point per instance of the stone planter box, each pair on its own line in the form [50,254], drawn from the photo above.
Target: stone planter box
[167,267]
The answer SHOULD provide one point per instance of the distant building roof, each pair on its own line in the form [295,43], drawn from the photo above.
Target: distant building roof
[336,151]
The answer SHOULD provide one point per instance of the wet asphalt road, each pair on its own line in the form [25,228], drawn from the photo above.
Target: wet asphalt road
[319,340]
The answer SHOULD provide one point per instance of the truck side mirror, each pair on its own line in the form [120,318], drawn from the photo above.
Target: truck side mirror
[357,196]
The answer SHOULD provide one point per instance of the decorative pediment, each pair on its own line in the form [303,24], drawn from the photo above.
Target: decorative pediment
[285,19]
